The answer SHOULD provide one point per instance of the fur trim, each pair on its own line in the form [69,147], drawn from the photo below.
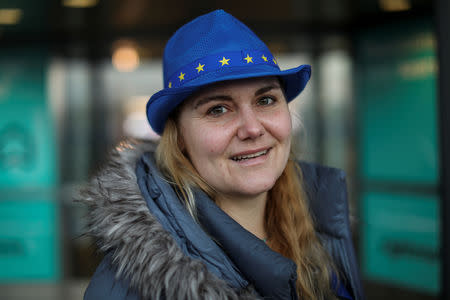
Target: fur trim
[142,251]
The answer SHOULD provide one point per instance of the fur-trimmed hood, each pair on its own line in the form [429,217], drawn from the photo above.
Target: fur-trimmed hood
[141,251]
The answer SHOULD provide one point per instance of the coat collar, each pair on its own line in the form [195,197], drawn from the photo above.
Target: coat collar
[272,274]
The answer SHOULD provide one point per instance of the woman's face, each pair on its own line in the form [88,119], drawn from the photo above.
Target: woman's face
[237,135]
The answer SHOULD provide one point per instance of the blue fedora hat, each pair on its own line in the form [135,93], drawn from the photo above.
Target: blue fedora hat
[212,48]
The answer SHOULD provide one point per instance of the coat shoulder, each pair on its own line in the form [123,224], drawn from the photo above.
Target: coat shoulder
[105,285]
[326,190]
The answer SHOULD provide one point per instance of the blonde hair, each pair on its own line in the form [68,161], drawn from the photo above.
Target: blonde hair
[288,221]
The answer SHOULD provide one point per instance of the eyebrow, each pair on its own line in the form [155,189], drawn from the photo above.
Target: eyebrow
[229,98]
[211,98]
[266,89]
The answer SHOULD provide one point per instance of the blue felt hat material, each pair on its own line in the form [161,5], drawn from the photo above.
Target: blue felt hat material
[212,48]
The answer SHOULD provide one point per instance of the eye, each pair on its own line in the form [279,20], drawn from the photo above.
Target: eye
[217,110]
[266,100]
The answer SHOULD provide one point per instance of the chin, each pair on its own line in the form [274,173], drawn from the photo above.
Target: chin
[258,187]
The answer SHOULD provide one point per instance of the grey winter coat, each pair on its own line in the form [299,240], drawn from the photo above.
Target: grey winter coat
[143,260]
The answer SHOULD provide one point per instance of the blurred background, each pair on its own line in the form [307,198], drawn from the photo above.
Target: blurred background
[75,76]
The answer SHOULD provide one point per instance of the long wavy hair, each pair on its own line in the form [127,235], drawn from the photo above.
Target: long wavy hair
[288,221]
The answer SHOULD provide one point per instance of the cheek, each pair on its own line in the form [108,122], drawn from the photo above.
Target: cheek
[206,142]
[282,125]
[287,125]
[214,141]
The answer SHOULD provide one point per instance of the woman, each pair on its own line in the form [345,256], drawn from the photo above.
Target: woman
[221,210]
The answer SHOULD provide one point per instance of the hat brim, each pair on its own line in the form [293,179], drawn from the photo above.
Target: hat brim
[162,103]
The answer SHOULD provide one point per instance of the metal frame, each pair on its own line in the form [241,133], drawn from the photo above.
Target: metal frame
[442,14]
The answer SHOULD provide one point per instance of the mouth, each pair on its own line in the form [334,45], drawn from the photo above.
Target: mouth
[250,156]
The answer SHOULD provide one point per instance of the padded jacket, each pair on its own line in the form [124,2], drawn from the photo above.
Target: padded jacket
[153,251]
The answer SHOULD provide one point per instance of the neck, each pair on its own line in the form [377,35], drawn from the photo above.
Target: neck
[248,212]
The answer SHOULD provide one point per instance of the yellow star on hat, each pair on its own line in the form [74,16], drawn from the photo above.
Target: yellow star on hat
[224,61]
[181,76]
[249,59]
[200,67]
[264,58]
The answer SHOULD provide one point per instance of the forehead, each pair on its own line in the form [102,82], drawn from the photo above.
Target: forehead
[234,85]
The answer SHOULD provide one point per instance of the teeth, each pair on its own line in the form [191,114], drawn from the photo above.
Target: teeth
[242,157]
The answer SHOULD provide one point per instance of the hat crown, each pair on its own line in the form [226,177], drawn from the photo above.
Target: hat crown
[215,32]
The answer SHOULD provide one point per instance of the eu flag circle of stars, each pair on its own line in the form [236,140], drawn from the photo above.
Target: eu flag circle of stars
[217,61]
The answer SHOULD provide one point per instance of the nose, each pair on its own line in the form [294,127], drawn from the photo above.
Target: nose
[250,127]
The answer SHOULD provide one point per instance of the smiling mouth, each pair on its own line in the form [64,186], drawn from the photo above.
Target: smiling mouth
[250,156]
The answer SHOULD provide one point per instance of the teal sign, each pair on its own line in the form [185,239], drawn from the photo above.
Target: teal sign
[396,99]
[29,248]
[401,240]
[27,139]
[29,237]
